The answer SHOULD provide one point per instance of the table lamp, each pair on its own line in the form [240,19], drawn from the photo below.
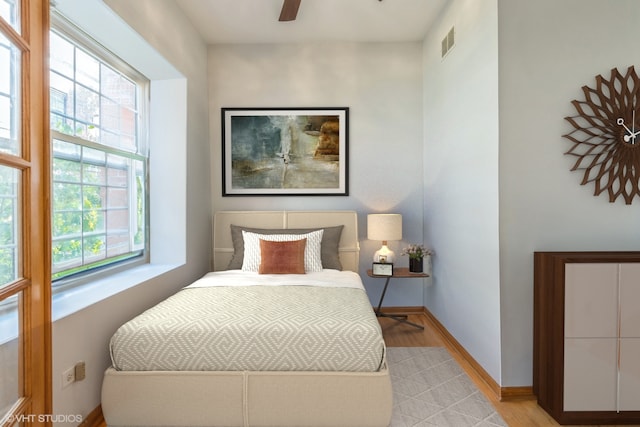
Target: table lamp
[384,227]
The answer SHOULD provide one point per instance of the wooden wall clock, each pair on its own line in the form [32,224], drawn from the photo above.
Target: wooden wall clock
[606,135]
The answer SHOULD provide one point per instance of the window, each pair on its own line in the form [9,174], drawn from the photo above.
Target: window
[9,96]
[99,188]
[10,107]
[9,235]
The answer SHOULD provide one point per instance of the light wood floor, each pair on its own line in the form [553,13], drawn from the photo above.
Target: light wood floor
[521,413]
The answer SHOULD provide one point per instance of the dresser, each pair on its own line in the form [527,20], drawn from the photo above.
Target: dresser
[586,364]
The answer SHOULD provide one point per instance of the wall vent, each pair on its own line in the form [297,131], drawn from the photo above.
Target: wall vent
[448,41]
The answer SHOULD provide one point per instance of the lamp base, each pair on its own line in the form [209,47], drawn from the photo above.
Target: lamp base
[384,254]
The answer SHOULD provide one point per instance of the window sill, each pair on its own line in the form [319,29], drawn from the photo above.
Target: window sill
[75,299]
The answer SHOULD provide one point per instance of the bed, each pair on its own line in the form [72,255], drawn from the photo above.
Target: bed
[331,372]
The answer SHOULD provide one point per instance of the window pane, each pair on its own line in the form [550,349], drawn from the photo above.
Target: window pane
[9,218]
[67,254]
[140,214]
[87,113]
[92,156]
[94,249]
[110,117]
[117,221]
[118,244]
[119,140]
[10,12]
[9,354]
[87,70]
[61,124]
[9,97]
[118,87]
[93,197]
[94,170]
[61,95]
[93,219]
[61,56]
[65,223]
[67,197]
[66,170]
[118,109]
[118,198]
[118,166]
[71,153]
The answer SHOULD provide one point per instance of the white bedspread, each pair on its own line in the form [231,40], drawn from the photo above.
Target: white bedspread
[236,321]
[330,278]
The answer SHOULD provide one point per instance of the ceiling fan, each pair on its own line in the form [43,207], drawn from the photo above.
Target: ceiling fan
[289,10]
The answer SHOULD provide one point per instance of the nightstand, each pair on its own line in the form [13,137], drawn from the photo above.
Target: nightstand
[398,273]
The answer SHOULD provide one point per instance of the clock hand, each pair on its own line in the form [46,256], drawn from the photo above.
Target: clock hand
[628,138]
[633,125]
[621,123]
[631,134]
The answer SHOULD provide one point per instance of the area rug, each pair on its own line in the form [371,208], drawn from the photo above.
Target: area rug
[431,389]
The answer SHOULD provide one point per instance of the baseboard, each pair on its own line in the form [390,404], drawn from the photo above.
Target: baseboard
[403,310]
[94,419]
[508,394]
[501,393]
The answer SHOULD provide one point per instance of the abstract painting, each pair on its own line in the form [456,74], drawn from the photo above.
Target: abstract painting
[285,151]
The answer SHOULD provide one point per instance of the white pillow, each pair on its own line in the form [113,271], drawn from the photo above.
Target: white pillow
[312,252]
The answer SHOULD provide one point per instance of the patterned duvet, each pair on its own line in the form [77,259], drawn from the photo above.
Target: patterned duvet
[237,321]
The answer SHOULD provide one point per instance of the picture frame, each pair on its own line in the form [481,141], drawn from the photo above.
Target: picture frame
[285,151]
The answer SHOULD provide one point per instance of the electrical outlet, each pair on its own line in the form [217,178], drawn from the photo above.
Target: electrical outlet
[80,371]
[68,376]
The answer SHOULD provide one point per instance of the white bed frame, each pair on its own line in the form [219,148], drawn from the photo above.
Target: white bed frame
[242,399]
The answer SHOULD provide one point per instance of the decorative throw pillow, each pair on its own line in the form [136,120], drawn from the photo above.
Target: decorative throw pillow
[330,241]
[312,258]
[282,257]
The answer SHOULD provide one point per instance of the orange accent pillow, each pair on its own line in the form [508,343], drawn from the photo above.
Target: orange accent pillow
[282,257]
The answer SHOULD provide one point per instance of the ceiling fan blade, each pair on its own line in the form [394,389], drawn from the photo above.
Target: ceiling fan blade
[289,10]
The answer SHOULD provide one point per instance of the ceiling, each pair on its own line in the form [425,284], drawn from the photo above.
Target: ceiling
[256,21]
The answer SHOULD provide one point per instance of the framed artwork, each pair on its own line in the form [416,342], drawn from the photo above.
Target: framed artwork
[285,152]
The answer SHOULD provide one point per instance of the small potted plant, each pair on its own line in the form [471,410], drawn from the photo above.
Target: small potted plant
[416,255]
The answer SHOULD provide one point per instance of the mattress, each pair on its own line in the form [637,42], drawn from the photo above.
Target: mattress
[242,321]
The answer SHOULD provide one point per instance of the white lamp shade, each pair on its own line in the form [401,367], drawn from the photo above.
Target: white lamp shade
[384,227]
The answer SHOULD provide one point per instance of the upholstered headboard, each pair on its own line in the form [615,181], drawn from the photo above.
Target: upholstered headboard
[349,247]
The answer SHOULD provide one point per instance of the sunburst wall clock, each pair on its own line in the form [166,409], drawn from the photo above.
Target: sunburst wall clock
[606,135]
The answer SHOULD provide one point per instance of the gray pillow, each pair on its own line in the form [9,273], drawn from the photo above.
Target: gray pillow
[329,245]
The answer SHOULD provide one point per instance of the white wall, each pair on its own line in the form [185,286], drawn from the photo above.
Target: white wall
[381,84]
[548,50]
[84,335]
[461,178]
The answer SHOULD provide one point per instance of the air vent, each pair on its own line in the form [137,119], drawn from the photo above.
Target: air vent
[447,42]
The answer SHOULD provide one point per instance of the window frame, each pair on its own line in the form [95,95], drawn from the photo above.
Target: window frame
[168,135]
[79,38]
[32,290]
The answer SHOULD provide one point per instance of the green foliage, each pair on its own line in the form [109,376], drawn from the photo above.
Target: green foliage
[79,209]
[68,222]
